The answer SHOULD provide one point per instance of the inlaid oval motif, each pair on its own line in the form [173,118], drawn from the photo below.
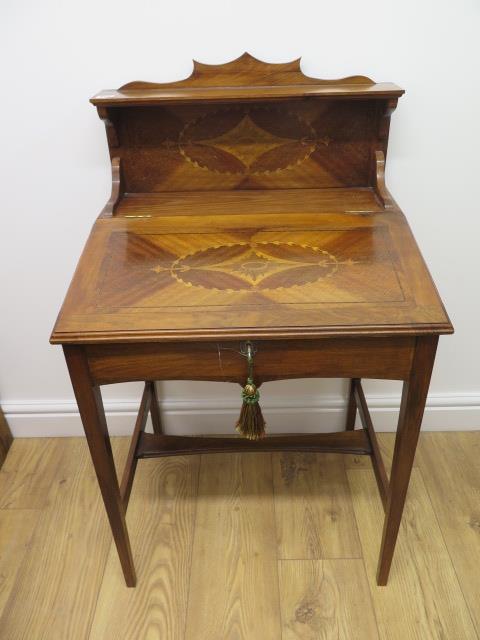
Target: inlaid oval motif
[253,141]
[254,266]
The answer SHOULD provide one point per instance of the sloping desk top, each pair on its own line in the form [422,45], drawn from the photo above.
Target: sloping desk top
[242,264]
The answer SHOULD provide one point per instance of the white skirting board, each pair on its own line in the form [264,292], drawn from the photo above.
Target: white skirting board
[201,417]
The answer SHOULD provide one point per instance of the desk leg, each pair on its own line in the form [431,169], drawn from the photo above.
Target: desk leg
[351,408]
[155,410]
[90,405]
[414,396]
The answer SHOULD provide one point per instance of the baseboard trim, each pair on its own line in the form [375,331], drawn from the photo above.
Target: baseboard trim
[459,412]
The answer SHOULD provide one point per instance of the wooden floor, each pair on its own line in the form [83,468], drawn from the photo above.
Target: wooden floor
[230,547]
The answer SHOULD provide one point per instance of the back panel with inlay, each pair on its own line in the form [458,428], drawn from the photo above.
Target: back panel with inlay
[293,144]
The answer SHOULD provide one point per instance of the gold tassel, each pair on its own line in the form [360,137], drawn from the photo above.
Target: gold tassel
[250,424]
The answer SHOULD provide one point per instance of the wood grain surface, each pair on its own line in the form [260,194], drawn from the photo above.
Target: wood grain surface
[32,489]
[453,463]
[313,510]
[185,277]
[235,522]
[325,599]
[56,587]
[211,555]
[288,145]
[421,567]
[161,517]
[16,532]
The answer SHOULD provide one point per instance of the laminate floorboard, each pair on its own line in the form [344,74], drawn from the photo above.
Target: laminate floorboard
[239,547]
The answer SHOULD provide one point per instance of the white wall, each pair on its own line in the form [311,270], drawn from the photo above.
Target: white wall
[55,174]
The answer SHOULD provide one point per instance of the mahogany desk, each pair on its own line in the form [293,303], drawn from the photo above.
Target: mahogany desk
[249,203]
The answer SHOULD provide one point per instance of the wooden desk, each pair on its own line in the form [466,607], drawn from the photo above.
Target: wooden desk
[249,203]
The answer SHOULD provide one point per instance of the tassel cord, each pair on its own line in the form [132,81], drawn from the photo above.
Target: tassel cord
[251,423]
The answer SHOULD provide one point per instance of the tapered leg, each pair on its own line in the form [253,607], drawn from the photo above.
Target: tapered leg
[90,405]
[352,408]
[414,396]
[155,410]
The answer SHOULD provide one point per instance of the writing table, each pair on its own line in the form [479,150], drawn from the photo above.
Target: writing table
[249,206]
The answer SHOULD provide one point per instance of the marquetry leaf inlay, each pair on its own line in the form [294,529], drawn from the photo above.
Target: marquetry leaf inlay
[294,144]
[247,266]
[224,268]
[249,141]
